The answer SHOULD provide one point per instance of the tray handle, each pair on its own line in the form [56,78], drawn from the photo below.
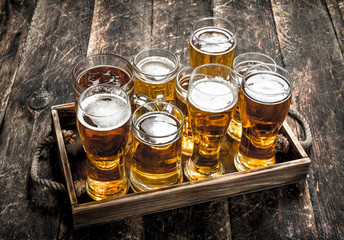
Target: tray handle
[69,137]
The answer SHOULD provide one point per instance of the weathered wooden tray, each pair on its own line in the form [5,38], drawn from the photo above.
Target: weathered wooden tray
[290,168]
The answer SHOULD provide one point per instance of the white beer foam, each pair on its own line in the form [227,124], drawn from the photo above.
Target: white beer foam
[156,66]
[106,111]
[161,128]
[212,95]
[214,40]
[267,88]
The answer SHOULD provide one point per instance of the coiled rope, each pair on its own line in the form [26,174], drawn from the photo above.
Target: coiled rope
[68,137]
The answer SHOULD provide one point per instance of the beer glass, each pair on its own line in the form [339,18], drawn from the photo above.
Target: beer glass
[103,68]
[212,41]
[241,63]
[155,74]
[212,96]
[156,162]
[266,98]
[181,90]
[103,122]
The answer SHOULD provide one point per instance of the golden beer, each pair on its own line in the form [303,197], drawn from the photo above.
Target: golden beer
[241,63]
[181,90]
[157,131]
[103,69]
[155,74]
[103,122]
[212,41]
[265,104]
[212,96]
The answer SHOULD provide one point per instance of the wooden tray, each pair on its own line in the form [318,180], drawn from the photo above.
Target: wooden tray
[290,168]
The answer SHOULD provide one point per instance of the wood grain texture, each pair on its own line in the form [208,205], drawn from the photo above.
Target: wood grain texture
[172,24]
[13,34]
[42,79]
[311,52]
[121,27]
[255,26]
[65,167]
[336,10]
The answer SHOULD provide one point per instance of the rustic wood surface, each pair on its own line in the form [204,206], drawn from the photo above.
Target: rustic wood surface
[42,39]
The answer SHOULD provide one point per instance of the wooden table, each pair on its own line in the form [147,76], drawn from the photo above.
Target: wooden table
[41,41]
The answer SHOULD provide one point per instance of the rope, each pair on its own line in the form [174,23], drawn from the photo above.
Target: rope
[282,143]
[308,141]
[69,137]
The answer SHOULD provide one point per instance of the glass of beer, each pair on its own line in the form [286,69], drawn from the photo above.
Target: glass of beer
[241,63]
[155,74]
[212,96]
[266,98]
[157,130]
[212,41]
[181,90]
[103,122]
[103,68]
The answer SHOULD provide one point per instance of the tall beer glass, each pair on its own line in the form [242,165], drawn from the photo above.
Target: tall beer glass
[103,122]
[212,41]
[212,96]
[266,98]
[241,63]
[155,74]
[181,90]
[103,68]
[157,130]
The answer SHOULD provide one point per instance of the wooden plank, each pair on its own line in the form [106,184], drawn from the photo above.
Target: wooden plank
[209,220]
[251,216]
[336,10]
[56,36]
[63,157]
[172,25]
[311,51]
[12,39]
[120,27]
[254,23]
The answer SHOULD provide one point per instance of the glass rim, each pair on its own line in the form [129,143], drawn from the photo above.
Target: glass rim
[252,53]
[179,87]
[250,71]
[173,71]
[232,31]
[193,74]
[100,86]
[180,128]
[76,77]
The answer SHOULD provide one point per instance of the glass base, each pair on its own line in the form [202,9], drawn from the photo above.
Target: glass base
[99,190]
[262,163]
[138,186]
[238,165]
[192,174]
